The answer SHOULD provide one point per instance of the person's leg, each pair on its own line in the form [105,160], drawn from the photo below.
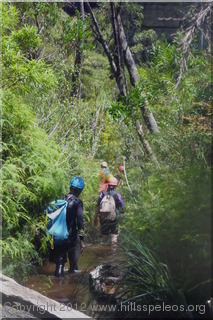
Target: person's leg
[59,268]
[105,227]
[105,232]
[74,255]
[114,232]
[105,239]
[60,255]
[113,238]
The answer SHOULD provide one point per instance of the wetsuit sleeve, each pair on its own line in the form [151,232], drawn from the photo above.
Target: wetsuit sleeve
[100,198]
[119,203]
[80,220]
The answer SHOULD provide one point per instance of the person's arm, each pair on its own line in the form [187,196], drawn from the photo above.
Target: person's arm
[121,206]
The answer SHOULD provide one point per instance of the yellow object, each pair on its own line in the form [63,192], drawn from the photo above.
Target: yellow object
[52,243]
[108,176]
[52,240]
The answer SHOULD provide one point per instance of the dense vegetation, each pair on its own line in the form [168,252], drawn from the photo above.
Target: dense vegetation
[51,133]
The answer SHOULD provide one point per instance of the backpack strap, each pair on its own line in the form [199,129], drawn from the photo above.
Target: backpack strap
[112,193]
[105,193]
[71,198]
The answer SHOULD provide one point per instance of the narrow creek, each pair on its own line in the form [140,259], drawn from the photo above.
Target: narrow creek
[74,290]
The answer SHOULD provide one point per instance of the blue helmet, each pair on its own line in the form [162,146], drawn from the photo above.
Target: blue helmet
[77,182]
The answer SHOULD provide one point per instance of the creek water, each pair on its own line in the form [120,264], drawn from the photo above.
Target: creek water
[73,290]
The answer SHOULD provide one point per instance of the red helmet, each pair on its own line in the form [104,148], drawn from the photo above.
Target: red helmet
[112,181]
[121,168]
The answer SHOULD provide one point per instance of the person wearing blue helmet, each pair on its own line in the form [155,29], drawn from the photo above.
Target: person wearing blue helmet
[75,226]
[77,183]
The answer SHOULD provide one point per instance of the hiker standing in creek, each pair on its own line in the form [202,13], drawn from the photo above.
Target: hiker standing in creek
[73,245]
[110,205]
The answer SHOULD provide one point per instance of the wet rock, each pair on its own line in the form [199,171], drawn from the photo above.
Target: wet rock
[209,304]
[22,302]
[104,280]
[12,313]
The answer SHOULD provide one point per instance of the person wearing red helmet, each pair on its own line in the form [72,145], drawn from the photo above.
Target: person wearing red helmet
[109,218]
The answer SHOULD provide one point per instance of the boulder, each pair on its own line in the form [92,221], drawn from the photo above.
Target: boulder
[104,280]
[22,302]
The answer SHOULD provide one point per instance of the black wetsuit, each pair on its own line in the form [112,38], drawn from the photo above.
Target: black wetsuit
[75,227]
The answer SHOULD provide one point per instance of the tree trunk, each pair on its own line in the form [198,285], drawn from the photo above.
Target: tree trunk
[117,55]
[114,63]
[128,58]
[76,82]
[148,117]
[145,143]
[134,76]
[121,44]
[98,35]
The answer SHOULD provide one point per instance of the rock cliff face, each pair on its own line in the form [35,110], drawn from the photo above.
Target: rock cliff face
[21,302]
[165,17]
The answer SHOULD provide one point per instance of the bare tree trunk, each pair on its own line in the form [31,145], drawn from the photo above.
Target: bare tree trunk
[134,76]
[115,64]
[121,43]
[148,117]
[128,58]
[145,143]
[100,39]
[117,55]
[76,83]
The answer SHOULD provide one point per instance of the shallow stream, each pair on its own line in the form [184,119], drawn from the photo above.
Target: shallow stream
[73,289]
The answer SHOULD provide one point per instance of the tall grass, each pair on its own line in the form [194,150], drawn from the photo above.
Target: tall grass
[148,281]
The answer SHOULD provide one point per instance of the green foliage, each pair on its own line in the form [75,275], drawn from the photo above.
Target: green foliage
[143,48]
[32,176]
[27,38]
[147,281]
[170,202]
[9,18]
[96,83]
[18,253]
[167,217]
[20,73]
[33,172]
[77,30]
[50,136]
